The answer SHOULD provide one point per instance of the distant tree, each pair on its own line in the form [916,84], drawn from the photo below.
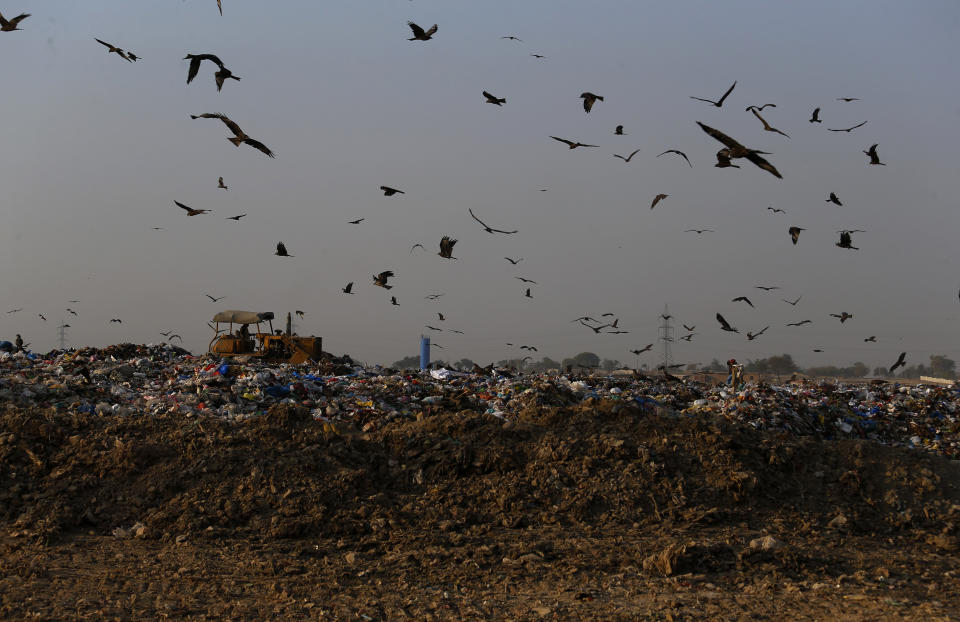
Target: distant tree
[760,366]
[692,367]
[610,364]
[464,363]
[942,367]
[859,370]
[587,359]
[409,362]
[783,364]
[830,371]
[716,366]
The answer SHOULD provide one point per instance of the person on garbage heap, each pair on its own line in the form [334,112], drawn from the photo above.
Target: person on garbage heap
[19,343]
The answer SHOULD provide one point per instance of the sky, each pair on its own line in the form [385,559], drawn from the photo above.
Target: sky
[95,151]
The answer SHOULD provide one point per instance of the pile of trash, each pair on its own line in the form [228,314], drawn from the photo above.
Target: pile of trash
[132,380]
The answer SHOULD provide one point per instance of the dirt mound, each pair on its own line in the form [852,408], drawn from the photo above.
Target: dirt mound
[591,466]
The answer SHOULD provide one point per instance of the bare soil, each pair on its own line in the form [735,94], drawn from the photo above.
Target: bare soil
[598,512]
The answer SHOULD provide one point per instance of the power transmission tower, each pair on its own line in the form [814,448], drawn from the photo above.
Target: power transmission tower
[62,336]
[666,336]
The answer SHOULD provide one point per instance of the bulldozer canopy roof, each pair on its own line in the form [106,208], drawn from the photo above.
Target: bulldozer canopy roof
[243,317]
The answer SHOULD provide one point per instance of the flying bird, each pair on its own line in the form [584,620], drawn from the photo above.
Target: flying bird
[415,246]
[454,330]
[9,25]
[440,316]
[380,280]
[901,362]
[114,49]
[214,299]
[116,320]
[777,210]
[190,211]
[525,280]
[657,199]
[220,184]
[571,144]
[72,311]
[492,99]
[689,328]
[432,296]
[736,150]
[834,199]
[434,328]
[843,316]
[800,323]
[618,131]
[589,99]
[446,247]
[538,55]
[349,288]
[419,34]
[513,261]
[678,152]
[512,38]
[872,154]
[356,222]
[17,310]
[815,118]
[237,217]
[846,241]
[42,317]
[646,348]
[742,299]
[486,227]
[389,192]
[299,313]
[767,126]
[239,136]
[848,99]
[528,294]
[847,129]
[393,301]
[767,288]
[724,325]
[871,339]
[688,338]
[174,336]
[582,318]
[795,234]
[719,102]
[282,250]
[219,77]
[629,157]
[699,231]
[752,336]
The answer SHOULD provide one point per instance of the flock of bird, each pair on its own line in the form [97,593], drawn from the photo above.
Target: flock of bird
[732,150]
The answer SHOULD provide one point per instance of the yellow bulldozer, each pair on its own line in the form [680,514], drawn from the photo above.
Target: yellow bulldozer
[273,345]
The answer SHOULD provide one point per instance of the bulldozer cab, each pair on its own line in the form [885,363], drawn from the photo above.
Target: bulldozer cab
[263,341]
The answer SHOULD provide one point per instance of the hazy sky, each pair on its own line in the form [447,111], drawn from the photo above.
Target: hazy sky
[95,150]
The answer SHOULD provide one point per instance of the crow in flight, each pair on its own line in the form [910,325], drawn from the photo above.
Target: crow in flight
[901,362]
[571,144]
[678,152]
[736,150]
[419,34]
[589,99]
[719,102]
[486,227]
[380,280]
[724,325]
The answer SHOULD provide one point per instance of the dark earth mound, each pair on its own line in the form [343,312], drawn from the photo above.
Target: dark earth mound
[595,512]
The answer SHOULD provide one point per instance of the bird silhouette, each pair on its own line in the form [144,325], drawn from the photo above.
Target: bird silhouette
[699,231]
[571,144]
[688,338]
[356,222]
[17,310]
[678,152]
[848,129]
[724,325]
[434,328]
[795,234]
[220,184]
[419,34]
[657,199]
[116,320]
[446,247]
[380,280]
[513,261]
[871,339]
[901,362]
[525,280]
[42,317]
[432,296]
[759,108]
[299,313]
[239,136]
[767,288]
[174,336]
[872,154]
[214,299]
[777,210]
[800,323]
[752,336]
[486,227]
[538,55]
[646,348]
[282,250]
[492,99]
[459,332]
[389,192]
[440,316]
[815,117]
[767,126]
[742,299]
[9,25]
[589,99]
[689,328]
[736,150]
[848,99]
[629,157]
[528,294]
[111,48]
[719,102]
[843,316]
[190,211]
[846,241]
[415,246]
[393,301]
[72,312]
[834,199]
[349,288]
[219,77]
[618,131]
[237,217]
[512,38]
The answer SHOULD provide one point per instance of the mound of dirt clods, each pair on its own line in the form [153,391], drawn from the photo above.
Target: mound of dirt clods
[602,496]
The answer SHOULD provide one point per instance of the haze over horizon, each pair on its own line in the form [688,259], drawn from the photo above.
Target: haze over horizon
[96,150]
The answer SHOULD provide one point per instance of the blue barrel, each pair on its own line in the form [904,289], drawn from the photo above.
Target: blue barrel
[424,352]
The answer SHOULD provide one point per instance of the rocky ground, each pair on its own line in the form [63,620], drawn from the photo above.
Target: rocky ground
[596,512]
